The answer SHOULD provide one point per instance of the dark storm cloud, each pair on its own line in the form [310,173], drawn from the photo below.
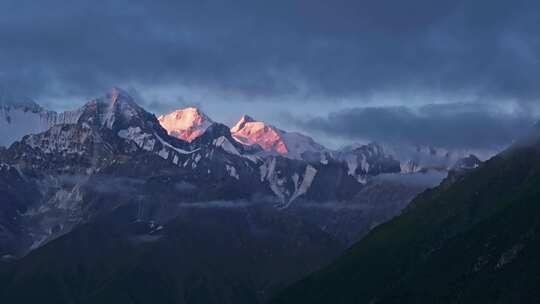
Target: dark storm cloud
[342,48]
[454,126]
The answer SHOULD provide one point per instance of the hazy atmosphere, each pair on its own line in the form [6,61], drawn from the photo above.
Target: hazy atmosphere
[457,74]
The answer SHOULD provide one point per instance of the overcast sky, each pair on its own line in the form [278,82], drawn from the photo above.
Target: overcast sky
[455,73]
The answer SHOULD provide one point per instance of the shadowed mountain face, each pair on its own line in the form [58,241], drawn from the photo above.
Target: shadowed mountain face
[474,239]
[227,254]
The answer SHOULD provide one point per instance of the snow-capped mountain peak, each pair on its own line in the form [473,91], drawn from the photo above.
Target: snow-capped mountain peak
[115,108]
[249,132]
[291,144]
[186,124]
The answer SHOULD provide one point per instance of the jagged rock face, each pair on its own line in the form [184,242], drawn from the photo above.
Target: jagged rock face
[118,111]
[66,139]
[249,132]
[71,148]
[286,178]
[219,135]
[333,183]
[186,124]
[292,180]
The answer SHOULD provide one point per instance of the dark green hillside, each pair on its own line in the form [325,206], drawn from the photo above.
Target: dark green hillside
[474,240]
